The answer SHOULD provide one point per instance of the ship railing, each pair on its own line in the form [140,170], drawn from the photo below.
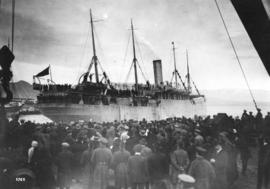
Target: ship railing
[130,86]
[145,87]
[51,87]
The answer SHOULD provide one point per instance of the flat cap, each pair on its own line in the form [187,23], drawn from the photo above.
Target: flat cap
[65,144]
[34,143]
[186,178]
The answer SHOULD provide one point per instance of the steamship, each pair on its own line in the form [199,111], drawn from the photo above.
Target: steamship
[97,99]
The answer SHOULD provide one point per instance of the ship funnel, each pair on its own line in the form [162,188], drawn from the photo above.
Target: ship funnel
[158,72]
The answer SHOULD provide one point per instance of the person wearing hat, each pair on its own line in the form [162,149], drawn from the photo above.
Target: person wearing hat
[244,115]
[266,125]
[101,160]
[259,121]
[119,164]
[226,139]
[251,121]
[41,164]
[110,135]
[202,170]
[34,145]
[220,163]
[185,182]
[64,160]
[137,170]
[132,140]
[158,166]
[179,162]
[145,152]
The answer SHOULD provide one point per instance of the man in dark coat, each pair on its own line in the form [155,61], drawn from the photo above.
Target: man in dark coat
[266,125]
[245,154]
[202,170]
[85,160]
[244,115]
[132,141]
[264,164]
[259,121]
[64,161]
[41,162]
[230,148]
[119,164]
[180,161]
[101,159]
[158,167]
[137,170]
[220,162]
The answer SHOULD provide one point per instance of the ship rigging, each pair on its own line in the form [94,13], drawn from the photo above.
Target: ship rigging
[100,99]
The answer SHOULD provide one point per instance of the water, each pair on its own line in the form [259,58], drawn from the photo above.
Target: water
[212,109]
[237,109]
[35,118]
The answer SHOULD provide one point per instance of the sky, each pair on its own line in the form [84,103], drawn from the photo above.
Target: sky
[56,33]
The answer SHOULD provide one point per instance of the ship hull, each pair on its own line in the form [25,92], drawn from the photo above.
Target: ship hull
[112,112]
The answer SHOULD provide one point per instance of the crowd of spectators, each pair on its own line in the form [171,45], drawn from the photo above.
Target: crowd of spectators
[138,154]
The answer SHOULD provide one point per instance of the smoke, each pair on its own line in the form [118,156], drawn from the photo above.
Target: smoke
[148,47]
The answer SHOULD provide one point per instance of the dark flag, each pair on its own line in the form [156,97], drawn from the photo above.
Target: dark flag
[44,72]
[6,58]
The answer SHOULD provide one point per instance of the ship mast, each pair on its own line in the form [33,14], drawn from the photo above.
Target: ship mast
[12,28]
[188,75]
[175,70]
[134,57]
[94,58]
[175,73]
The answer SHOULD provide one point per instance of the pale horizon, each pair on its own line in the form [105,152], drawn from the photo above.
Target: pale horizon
[55,33]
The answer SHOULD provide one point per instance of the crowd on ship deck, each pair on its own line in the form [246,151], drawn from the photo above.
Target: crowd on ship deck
[136,154]
[50,87]
[121,89]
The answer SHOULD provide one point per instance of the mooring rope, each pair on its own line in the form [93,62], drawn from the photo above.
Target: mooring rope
[236,55]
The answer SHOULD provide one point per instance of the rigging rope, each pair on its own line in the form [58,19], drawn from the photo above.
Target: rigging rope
[129,72]
[236,55]
[102,68]
[172,77]
[126,49]
[197,90]
[142,72]
[181,80]
[145,78]
[125,57]
[98,43]
[101,50]
[83,51]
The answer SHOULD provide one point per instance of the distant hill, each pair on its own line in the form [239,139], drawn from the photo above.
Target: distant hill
[23,89]
[235,96]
